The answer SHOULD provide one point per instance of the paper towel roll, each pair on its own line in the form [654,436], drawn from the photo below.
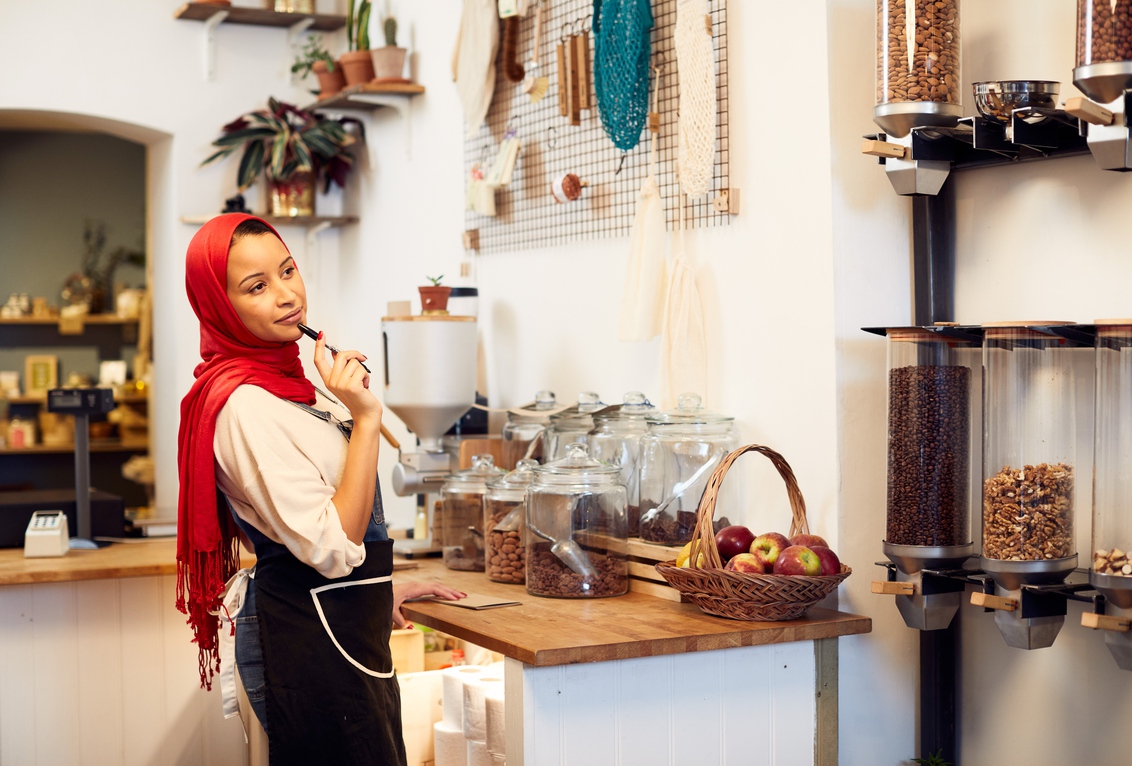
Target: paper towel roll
[449,746]
[475,708]
[497,760]
[493,703]
[452,693]
[477,753]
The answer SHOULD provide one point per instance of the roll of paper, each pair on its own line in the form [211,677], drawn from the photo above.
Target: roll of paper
[453,693]
[477,753]
[449,746]
[475,708]
[493,703]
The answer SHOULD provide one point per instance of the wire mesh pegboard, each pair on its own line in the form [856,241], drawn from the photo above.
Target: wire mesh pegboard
[526,214]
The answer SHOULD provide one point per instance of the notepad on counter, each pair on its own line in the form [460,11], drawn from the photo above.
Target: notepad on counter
[474,601]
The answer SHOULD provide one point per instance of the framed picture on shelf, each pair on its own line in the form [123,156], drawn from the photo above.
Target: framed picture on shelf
[41,372]
[9,383]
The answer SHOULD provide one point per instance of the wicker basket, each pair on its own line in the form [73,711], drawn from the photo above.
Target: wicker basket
[741,596]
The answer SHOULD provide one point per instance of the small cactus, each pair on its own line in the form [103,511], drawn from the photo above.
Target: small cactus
[390,28]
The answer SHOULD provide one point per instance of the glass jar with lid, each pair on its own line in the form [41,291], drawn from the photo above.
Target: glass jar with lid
[461,502]
[678,454]
[1029,452]
[934,397]
[571,425]
[1111,570]
[616,439]
[918,56]
[525,424]
[1104,48]
[505,524]
[577,541]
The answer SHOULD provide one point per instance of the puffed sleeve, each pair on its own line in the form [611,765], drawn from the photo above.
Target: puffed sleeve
[268,456]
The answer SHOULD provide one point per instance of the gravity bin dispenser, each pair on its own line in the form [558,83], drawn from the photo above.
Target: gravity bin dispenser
[934,387]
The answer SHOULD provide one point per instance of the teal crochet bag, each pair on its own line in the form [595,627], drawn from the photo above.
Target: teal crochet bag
[621,68]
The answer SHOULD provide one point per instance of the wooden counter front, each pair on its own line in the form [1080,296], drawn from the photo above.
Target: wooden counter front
[550,631]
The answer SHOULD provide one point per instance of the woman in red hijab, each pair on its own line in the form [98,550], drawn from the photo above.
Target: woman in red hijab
[264,453]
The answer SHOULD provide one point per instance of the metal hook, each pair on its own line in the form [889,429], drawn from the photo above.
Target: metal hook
[587,23]
[565,31]
[510,130]
[552,138]
[621,164]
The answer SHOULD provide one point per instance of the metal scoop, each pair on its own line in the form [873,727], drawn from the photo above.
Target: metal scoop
[682,487]
[568,551]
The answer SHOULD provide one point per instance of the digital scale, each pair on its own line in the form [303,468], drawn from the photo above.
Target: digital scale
[82,403]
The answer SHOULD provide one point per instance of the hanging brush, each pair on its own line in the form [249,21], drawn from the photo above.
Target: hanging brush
[511,68]
[536,87]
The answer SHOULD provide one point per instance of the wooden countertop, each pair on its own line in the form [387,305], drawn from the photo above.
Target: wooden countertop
[551,631]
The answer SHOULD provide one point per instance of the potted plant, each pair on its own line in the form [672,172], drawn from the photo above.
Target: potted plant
[357,61]
[294,148]
[389,62]
[315,58]
[95,285]
[434,297]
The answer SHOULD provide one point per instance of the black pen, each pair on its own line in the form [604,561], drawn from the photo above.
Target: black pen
[333,349]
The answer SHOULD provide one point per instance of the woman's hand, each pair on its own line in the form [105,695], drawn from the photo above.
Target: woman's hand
[410,590]
[347,380]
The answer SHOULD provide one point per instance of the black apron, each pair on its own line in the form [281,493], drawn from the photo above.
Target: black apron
[331,693]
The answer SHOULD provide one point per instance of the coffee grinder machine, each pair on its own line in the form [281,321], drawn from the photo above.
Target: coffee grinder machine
[430,382]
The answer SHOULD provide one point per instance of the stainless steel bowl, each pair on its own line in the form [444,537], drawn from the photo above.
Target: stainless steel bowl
[998,99]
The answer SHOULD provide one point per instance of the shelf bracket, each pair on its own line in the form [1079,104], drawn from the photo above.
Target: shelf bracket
[210,25]
[314,231]
[402,105]
[294,33]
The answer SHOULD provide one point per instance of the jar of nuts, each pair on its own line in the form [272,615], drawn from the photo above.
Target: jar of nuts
[918,77]
[577,541]
[571,425]
[461,498]
[525,423]
[616,439]
[678,454]
[1112,470]
[1104,48]
[1029,452]
[505,524]
[933,414]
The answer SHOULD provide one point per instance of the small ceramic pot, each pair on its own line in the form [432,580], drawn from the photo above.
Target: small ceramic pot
[434,298]
[389,63]
[358,67]
[329,82]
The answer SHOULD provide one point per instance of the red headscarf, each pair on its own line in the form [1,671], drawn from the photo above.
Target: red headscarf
[207,547]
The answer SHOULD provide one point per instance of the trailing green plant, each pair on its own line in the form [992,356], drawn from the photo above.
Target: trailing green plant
[283,140]
[435,280]
[357,25]
[311,54]
[936,759]
[390,30]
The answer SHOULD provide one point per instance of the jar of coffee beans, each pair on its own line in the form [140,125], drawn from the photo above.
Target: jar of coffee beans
[616,439]
[1112,470]
[678,454]
[577,541]
[918,55]
[1029,451]
[1104,48]
[461,498]
[932,421]
[505,524]
[571,425]
[525,424]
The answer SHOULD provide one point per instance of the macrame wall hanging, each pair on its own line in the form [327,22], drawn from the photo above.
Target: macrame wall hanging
[596,148]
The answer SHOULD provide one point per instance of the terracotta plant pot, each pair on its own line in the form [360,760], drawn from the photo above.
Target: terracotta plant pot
[291,6]
[389,63]
[434,298]
[329,82]
[293,197]
[358,67]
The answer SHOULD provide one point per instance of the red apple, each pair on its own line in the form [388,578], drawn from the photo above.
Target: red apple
[747,563]
[797,560]
[768,547]
[733,540]
[830,564]
[808,541]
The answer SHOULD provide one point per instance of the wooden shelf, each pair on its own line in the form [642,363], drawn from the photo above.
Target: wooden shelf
[98,319]
[370,95]
[298,220]
[260,17]
[126,399]
[96,445]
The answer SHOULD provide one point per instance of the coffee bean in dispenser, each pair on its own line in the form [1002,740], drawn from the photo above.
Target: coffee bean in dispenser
[1104,48]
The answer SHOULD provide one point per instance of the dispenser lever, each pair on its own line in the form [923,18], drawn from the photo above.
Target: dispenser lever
[1090,112]
[892,588]
[988,601]
[1106,622]
[876,148]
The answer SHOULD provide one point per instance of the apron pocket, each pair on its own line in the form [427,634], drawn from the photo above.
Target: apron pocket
[338,604]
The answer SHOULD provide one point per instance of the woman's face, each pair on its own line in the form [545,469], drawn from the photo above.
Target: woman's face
[265,288]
